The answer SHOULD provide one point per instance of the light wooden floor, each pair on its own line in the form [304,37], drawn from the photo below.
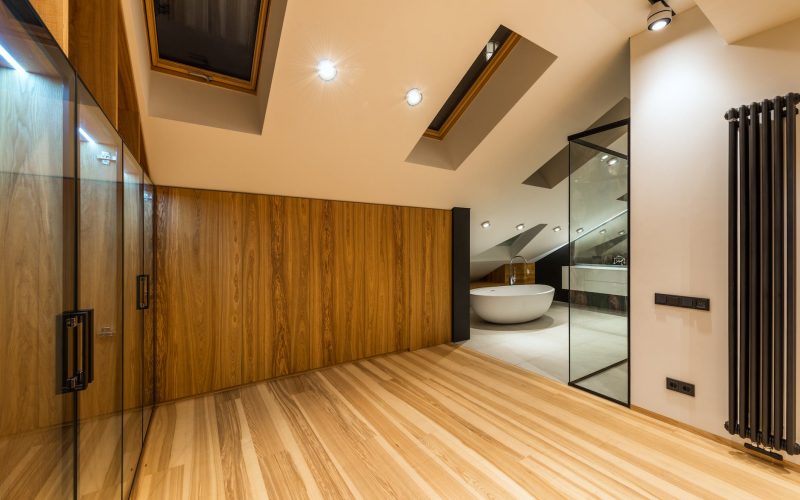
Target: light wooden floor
[439,422]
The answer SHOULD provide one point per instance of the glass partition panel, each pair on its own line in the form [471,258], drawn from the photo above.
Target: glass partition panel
[133,334]
[148,195]
[37,250]
[101,287]
[598,271]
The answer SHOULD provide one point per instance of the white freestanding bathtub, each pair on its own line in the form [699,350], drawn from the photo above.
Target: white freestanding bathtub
[512,303]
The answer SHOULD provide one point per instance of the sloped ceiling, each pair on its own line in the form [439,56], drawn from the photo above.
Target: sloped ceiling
[736,20]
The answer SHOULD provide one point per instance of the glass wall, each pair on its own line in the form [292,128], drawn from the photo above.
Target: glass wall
[75,259]
[37,254]
[599,260]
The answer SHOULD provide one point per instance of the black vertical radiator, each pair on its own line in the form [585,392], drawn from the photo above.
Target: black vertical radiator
[762,317]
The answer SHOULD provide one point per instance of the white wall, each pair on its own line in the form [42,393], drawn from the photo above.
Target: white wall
[682,81]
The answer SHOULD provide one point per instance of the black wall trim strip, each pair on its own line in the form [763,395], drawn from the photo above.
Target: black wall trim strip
[460,275]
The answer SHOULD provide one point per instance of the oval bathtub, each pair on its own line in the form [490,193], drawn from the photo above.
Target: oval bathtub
[512,303]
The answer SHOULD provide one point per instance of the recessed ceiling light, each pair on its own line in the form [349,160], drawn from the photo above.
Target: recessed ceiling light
[622,232]
[414,97]
[486,224]
[520,227]
[491,48]
[604,158]
[579,230]
[326,69]
[557,228]
[602,231]
[660,15]
[10,60]
[613,161]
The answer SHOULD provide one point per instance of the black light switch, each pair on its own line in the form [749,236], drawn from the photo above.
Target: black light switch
[701,304]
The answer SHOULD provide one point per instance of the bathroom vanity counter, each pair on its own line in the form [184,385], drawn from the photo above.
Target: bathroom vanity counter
[609,280]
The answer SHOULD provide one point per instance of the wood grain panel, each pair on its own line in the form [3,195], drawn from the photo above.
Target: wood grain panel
[442,282]
[93,39]
[54,14]
[32,194]
[227,303]
[381,333]
[100,274]
[257,310]
[133,354]
[322,282]
[441,422]
[348,281]
[199,296]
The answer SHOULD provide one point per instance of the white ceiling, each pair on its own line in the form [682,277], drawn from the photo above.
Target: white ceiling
[348,139]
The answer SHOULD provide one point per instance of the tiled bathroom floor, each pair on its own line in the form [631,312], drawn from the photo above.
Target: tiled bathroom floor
[542,346]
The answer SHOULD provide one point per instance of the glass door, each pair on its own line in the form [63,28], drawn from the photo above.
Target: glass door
[100,286]
[599,262]
[148,198]
[134,299]
[37,254]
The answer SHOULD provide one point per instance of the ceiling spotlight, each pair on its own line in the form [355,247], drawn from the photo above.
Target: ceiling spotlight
[326,70]
[604,158]
[613,161]
[622,232]
[414,97]
[520,227]
[486,224]
[602,231]
[660,15]
[579,230]
[491,48]
[557,228]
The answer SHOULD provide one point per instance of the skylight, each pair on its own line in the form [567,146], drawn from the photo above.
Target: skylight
[215,41]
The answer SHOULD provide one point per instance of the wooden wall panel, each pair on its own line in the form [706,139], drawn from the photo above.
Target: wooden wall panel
[348,281]
[227,305]
[321,282]
[257,291]
[32,192]
[54,13]
[381,333]
[93,28]
[199,299]
[100,275]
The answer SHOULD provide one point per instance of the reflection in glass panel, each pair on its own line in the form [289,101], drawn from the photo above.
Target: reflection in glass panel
[148,380]
[37,418]
[598,271]
[134,321]
[100,285]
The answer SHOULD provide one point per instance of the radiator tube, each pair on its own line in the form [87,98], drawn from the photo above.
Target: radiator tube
[765,237]
[777,262]
[753,269]
[791,251]
[733,266]
[744,285]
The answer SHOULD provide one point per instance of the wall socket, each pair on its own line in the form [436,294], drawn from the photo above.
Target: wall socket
[682,387]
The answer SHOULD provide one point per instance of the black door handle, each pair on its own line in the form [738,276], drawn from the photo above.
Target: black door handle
[143,291]
[82,356]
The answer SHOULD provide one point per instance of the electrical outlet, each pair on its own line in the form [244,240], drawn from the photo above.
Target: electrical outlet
[679,386]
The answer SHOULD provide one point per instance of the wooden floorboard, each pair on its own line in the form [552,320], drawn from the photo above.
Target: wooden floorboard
[442,422]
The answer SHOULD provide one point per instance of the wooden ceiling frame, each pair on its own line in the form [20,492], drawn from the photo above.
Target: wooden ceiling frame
[204,75]
[475,88]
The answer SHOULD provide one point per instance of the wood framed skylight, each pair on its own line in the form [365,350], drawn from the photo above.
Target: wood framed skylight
[483,67]
[215,41]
